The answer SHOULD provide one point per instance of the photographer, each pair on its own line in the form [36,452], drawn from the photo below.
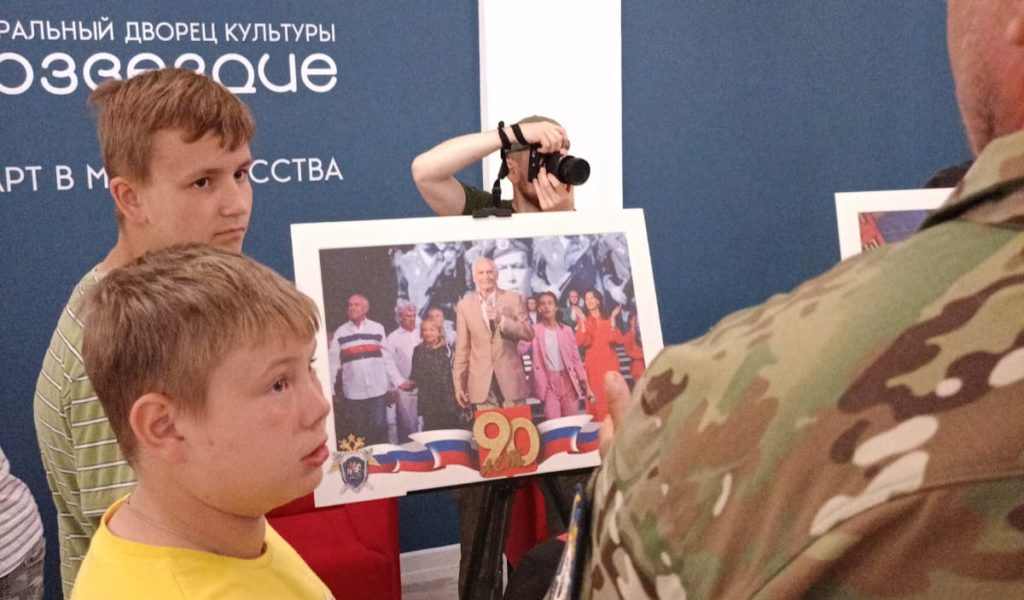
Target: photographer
[434,170]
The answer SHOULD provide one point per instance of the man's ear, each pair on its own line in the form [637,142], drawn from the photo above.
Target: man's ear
[126,198]
[154,420]
[516,170]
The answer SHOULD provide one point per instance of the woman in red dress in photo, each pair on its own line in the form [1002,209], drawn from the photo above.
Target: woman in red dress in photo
[595,334]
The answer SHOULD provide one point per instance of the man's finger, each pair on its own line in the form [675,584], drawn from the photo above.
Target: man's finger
[604,436]
[617,393]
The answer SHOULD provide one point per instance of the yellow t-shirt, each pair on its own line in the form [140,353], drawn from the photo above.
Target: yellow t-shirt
[116,568]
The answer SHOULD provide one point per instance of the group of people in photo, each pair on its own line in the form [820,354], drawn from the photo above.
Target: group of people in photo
[571,317]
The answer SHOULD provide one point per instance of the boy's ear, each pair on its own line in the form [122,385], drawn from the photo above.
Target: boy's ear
[154,420]
[126,198]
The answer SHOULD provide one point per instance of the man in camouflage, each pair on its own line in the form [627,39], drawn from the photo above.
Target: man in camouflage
[862,436]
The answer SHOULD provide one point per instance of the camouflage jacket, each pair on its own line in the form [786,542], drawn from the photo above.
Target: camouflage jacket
[859,437]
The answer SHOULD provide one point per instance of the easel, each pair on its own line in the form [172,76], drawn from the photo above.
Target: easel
[501,492]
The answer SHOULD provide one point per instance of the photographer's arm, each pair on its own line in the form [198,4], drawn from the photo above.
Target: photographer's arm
[434,170]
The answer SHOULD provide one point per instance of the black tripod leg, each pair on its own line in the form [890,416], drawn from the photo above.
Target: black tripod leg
[479,539]
[483,577]
[550,483]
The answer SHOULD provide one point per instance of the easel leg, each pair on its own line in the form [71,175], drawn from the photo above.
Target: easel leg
[483,570]
[562,505]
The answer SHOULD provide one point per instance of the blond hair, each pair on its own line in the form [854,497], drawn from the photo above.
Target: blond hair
[434,324]
[129,113]
[163,323]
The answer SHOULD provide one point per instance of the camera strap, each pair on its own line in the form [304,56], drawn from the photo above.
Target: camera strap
[506,145]
[518,132]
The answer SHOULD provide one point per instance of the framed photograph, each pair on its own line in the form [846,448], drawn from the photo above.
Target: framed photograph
[870,219]
[456,350]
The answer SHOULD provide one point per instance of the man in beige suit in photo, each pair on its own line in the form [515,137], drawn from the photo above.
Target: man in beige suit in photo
[488,373]
[488,369]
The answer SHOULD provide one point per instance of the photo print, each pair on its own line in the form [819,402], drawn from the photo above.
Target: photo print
[456,350]
[868,220]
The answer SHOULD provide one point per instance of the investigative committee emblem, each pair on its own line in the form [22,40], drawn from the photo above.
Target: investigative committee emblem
[354,462]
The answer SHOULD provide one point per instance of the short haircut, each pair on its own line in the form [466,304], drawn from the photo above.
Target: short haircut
[130,112]
[516,146]
[482,259]
[401,306]
[163,323]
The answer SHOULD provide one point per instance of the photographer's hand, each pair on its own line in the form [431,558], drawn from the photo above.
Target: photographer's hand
[550,137]
[552,194]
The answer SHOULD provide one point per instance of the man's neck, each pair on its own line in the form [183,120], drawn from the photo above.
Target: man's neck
[171,516]
[358,323]
[521,205]
[123,252]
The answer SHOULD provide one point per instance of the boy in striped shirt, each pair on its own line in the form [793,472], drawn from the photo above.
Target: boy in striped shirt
[175,146]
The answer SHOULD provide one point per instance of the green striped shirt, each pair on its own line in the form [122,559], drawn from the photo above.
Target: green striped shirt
[84,466]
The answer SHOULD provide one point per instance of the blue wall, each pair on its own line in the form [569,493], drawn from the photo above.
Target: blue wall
[740,121]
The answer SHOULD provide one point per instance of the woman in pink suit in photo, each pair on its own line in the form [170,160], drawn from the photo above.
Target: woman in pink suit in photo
[558,377]
[595,334]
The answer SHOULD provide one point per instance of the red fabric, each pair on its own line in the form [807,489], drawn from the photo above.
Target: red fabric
[597,337]
[528,525]
[353,548]
[635,353]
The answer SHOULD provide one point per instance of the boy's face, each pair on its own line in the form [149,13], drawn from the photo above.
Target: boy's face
[198,192]
[261,440]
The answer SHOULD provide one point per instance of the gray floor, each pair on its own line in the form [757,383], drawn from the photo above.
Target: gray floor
[439,589]
[431,574]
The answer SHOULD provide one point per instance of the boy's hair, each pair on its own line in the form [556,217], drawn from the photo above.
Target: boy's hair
[130,112]
[164,322]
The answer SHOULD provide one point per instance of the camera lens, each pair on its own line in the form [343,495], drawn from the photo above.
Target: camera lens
[568,169]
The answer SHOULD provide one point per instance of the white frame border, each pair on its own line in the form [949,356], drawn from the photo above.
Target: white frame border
[308,239]
[850,204]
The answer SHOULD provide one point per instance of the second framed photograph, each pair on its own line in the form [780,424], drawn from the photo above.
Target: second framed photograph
[868,220]
[456,350]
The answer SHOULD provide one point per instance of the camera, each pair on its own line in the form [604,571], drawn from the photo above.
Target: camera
[568,169]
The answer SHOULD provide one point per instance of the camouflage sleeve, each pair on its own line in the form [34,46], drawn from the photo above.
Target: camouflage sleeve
[653,505]
[958,541]
[846,440]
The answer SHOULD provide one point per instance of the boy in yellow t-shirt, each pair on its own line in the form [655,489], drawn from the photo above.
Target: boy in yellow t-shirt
[202,360]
